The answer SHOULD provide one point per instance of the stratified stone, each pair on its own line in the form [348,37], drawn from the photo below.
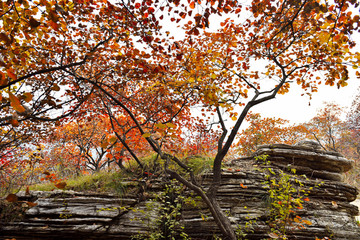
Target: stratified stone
[306,155]
[243,195]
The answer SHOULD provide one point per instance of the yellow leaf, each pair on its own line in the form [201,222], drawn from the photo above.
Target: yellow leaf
[213,76]
[146,135]
[170,125]
[234,118]
[113,139]
[160,125]
[307,222]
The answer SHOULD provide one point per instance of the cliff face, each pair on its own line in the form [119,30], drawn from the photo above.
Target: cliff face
[244,195]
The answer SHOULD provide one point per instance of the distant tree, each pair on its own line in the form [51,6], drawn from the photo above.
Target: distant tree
[267,131]
[327,128]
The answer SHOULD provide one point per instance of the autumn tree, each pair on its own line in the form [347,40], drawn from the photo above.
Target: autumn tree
[327,127]
[352,123]
[349,142]
[267,131]
[58,53]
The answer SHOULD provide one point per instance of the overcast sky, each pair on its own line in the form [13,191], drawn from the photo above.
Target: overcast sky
[294,107]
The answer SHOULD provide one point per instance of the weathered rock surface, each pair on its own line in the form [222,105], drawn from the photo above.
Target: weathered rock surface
[243,194]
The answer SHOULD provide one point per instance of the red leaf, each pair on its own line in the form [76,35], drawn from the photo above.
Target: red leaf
[179,56]
[137,5]
[61,185]
[11,198]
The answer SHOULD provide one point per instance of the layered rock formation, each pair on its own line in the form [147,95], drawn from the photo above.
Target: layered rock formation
[243,194]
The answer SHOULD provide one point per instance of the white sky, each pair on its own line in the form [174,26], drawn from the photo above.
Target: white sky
[294,107]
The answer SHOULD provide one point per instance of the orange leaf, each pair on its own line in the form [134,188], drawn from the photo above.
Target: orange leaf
[11,74]
[3,80]
[11,198]
[104,144]
[54,25]
[55,87]
[242,185]
[27,192]
[192,5]
[31,204]
[15,103]
[28,97]
[14,122]
[61,185]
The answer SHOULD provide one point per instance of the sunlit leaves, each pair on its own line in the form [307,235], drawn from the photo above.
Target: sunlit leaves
[15,103]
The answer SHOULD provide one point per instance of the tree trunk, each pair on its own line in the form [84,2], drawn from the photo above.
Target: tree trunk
[222,221]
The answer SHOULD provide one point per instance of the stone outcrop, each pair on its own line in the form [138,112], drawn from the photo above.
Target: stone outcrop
[243,195]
